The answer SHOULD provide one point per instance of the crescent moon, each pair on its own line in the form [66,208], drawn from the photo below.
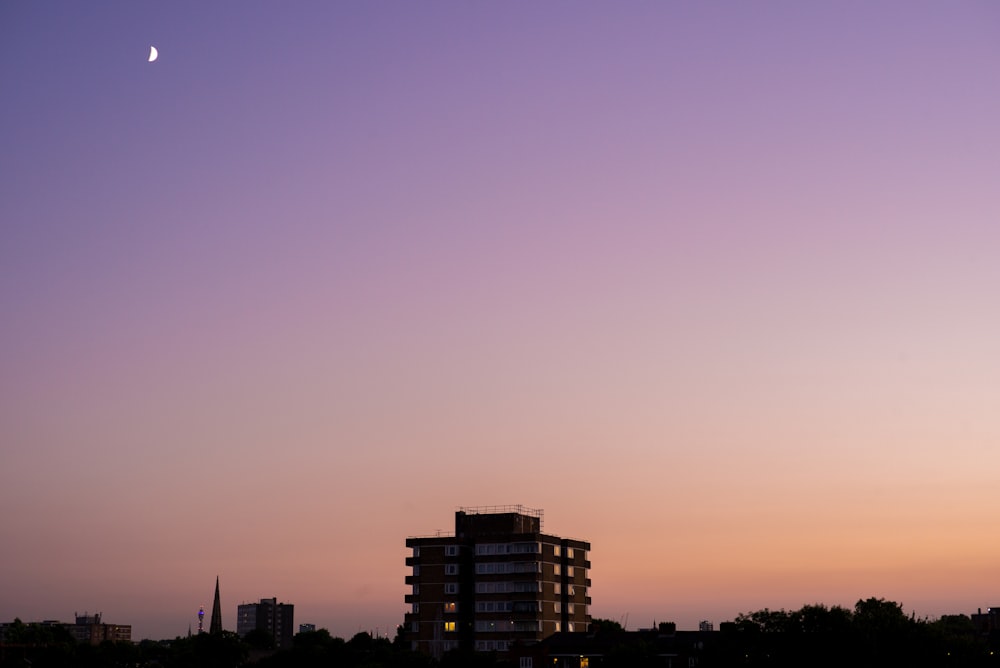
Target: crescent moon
[153,53]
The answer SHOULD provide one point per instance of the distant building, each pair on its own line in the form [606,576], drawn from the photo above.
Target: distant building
[90,629]
[269,615]
[496,581]
[987,622]
[706,626]
[87,629]
[307,628]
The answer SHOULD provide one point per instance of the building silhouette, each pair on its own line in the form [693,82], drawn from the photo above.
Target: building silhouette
[91,630]
[497,580]
[216,624]
[276,619]
[87,629]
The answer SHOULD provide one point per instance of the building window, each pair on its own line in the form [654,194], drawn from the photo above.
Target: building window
[584,662]
[557,589]
[451,588]
[525,662]
[416,550]
[556,569]
[416,570]
[569,553]
[557,607]
[558,627]
[451,569]
[416,608]
[415,627]
[570,608]
[449,626]
[570,571]
[572,590]
[556,550]
[450,550]
[451,606]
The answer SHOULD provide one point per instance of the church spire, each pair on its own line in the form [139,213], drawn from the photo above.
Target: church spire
[216,625]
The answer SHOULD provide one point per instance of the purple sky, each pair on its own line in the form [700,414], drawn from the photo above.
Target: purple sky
[714,284]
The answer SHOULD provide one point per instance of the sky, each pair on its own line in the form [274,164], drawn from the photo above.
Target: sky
[712,284]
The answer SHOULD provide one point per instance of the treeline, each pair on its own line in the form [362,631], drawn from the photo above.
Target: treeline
[42,646]
[875,632]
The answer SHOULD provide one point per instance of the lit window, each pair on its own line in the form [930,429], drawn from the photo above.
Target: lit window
[556,569]
[558,627]
[570,608]
[556,550]
[569,553]
[557,607]
[451,606]
[449,626]
[584,662]
[569,571]
[557,588]
[569,627]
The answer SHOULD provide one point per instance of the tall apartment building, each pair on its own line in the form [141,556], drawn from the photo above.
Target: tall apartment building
[269,615]
[497,580]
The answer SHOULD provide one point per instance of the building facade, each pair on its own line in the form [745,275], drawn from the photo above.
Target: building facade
[277,619]
[90,629]
[496,581]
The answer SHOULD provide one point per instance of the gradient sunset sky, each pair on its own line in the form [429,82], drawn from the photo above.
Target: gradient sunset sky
[714,284]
